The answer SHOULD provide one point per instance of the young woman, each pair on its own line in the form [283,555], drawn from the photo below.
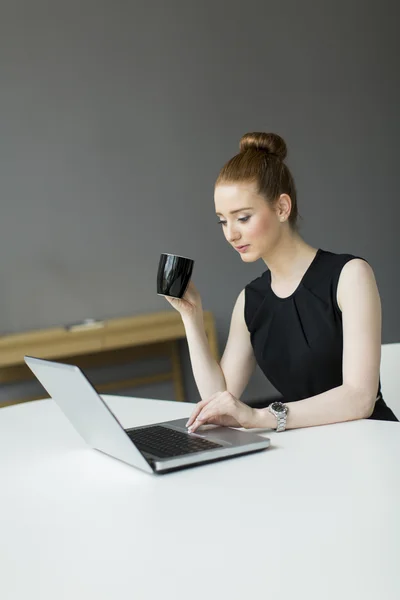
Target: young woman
[311,321]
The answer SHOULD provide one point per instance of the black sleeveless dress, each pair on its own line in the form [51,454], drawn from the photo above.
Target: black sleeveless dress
[298,340]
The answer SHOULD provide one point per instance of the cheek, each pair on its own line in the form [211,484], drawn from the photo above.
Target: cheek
[260,227]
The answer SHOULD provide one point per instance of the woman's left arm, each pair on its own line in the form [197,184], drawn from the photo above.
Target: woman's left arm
[359,301]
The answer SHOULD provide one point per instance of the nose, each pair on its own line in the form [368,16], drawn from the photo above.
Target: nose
[232,234]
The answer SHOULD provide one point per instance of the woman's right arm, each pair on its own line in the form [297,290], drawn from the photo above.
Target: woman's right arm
[238,361]
[207,372]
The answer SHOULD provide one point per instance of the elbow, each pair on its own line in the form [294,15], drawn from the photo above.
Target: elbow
[366,405]
[362,402]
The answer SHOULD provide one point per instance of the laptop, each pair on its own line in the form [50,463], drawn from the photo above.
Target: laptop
[158,448]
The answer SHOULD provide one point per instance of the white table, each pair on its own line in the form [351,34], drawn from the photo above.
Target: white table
[316,516]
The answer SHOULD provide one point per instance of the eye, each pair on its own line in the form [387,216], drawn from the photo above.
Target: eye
[243,219]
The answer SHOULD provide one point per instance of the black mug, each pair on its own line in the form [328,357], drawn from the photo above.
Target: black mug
[174,273]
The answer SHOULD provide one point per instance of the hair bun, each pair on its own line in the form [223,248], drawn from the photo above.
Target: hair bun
[267,142]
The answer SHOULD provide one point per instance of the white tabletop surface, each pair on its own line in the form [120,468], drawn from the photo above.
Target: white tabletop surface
[316,516]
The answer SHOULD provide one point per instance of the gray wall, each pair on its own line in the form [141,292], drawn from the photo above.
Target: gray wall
[117,116]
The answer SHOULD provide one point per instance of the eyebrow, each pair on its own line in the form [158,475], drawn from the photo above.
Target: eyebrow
[236,211]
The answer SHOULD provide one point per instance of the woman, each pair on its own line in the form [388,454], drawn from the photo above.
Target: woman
[311,321]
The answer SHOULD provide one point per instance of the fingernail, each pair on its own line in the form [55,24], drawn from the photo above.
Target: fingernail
[187,423]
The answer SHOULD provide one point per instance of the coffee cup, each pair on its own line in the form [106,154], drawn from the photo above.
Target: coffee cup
[173,276]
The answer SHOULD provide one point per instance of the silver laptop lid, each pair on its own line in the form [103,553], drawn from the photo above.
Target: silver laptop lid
[86,410]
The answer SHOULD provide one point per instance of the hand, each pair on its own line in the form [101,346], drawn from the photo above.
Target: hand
[222,409]
[190,304]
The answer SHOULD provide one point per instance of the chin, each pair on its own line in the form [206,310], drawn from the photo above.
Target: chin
[249,257]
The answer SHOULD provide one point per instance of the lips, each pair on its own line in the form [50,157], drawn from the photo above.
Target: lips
[242,249]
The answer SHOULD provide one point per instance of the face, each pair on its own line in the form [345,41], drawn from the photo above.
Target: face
[247,219]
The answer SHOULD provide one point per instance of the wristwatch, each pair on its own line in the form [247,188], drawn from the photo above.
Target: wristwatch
[280,411]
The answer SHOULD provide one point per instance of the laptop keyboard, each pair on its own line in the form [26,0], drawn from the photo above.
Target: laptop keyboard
[166,443]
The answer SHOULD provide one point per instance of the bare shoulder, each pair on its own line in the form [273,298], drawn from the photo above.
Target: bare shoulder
[356,271]
[241,298]
[238,309]
[357,277]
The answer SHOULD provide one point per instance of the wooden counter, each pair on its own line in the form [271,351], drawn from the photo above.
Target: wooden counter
[111,342]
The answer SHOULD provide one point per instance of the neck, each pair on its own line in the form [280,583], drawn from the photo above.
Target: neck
[290,257]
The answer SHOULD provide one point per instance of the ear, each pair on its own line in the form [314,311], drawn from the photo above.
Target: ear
[283,207]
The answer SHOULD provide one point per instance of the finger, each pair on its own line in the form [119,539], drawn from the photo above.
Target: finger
[219,406]
[197,410]
[207,416]
[188,287]
[168,299]
[199,407]
[191,285]
[213,409]
[172,300]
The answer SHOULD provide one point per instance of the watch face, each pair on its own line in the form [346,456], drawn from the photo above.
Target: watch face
[278,407]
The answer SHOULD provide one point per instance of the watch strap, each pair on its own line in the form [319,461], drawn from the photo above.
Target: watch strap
[280,417]
[281,426]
